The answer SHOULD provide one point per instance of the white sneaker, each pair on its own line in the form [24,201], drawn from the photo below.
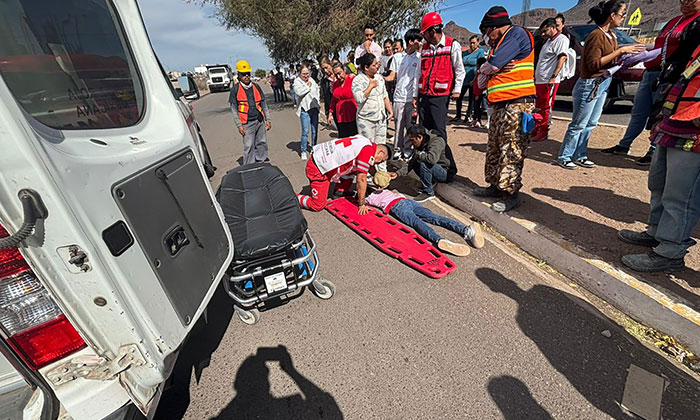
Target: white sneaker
[459,250]
[474,236]
[303,156]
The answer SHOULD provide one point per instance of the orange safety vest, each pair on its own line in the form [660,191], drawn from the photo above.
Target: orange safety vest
[517,83]
[243,105]
[683,99]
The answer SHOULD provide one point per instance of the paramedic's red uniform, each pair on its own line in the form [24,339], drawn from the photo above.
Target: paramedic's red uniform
[335,161]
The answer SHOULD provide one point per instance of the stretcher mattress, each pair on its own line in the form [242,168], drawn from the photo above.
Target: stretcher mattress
[261,210]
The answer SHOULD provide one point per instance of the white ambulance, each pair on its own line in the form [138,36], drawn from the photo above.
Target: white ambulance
[111,241]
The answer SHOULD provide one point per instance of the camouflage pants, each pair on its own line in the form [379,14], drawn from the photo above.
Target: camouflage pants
[507,147]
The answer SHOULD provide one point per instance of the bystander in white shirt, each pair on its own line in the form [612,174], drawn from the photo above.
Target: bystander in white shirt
[307,96]
[552,49]
[407,77]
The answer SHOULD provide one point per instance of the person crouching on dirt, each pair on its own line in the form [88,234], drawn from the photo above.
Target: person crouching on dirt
[431,160]
[340,161]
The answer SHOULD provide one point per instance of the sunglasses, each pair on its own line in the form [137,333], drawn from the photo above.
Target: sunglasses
[368,35]
[688,1]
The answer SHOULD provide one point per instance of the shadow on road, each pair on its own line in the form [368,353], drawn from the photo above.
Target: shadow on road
[253,399]
[602,201]
[514,399]
[569,338]
[195,356]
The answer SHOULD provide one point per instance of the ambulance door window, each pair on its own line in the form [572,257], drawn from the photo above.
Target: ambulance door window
[68,64]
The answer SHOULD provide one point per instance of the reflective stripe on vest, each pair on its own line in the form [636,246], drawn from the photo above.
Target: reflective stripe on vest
[243,106]
[437,76]
[517,83]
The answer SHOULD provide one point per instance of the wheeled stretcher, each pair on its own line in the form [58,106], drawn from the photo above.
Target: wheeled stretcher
[275,255]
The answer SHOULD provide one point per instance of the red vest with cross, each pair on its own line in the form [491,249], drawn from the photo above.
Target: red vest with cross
[334,155]
[437,76]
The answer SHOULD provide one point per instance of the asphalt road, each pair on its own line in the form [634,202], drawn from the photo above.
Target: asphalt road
[619,113]
[496,339]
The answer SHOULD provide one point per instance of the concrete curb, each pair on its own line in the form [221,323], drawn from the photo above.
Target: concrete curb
[640,300]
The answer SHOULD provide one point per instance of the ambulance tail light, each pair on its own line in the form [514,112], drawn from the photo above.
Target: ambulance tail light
[38,331]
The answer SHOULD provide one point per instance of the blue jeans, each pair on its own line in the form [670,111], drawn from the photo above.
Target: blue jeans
[308,118]
[291,92]
[429,174]
[418,217]
[643,101]
[587,109]
[674,182]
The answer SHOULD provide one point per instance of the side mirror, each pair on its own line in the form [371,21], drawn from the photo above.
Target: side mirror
[178,92]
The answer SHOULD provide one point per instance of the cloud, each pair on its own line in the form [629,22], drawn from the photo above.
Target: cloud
[185,35]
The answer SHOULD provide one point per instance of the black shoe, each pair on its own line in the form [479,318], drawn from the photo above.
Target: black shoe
[490,191]
[637,238]
[507,203]
[652,262]
[456,119]
[646,159]
[423,197]
[616,150]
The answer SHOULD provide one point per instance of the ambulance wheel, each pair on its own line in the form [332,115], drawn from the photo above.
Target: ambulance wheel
[250,317]
[323,289]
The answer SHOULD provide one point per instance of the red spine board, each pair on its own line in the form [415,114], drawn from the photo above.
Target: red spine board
[393,238]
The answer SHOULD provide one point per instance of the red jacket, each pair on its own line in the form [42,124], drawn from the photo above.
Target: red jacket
[343,105]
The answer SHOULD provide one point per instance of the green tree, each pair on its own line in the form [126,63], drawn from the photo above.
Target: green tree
[260,73]
[295,29]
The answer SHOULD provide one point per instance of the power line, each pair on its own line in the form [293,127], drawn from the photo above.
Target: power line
[457,5]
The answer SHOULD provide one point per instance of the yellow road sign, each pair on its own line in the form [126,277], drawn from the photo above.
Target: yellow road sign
[636,18]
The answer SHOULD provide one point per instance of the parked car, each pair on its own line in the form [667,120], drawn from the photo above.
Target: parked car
[111,240]
[188,87]
[625,82]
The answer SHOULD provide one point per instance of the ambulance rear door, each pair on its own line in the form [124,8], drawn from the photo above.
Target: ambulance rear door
[134,244]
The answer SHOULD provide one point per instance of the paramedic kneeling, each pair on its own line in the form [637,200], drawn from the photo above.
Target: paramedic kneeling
[431,160]
[340,161]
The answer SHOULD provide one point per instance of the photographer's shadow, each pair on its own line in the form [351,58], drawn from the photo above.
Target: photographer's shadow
[253,399]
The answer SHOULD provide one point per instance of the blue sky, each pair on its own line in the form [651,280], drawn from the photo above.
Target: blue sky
[186,35]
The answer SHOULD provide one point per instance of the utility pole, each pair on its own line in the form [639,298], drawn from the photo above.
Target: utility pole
[526,9]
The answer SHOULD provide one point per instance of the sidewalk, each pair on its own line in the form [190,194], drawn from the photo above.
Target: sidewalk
[575,216]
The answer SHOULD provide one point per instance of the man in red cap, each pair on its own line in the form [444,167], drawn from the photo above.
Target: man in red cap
[442,74]
[509,75]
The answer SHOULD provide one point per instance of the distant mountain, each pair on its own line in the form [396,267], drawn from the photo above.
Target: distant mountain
[534,17]
[654,14]
[457,32]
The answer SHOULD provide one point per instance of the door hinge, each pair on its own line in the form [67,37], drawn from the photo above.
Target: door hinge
[96,367]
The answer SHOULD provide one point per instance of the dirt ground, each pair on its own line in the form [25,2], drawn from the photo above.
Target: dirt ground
[584,206]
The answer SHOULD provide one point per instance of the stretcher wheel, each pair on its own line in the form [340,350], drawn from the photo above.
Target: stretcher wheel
[323,289]
[250,317]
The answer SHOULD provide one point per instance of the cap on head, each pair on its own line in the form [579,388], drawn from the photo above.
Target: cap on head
[429,20]
[496,17]
[242,66]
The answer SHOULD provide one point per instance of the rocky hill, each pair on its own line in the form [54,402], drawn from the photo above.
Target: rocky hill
[534,17]
[457,32]
[654,13]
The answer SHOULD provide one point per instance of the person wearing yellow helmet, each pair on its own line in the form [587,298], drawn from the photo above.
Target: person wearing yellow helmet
[251,115]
